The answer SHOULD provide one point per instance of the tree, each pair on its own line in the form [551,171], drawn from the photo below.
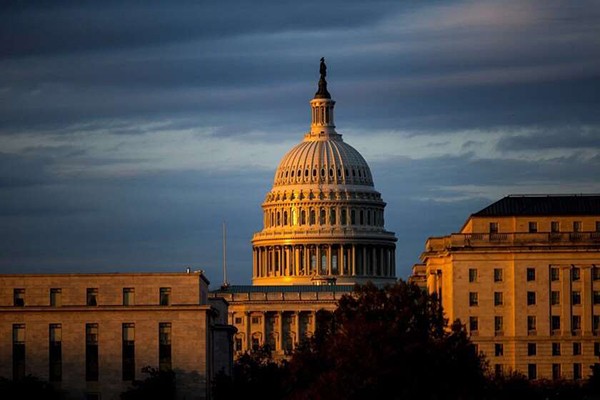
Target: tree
[29,387]
[255,375]
[391,342]
[159,385]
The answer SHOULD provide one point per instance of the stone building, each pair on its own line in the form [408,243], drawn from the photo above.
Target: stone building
[523,274]
[323,231]
[90,334]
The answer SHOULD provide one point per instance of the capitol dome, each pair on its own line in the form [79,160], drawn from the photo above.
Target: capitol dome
[323,219]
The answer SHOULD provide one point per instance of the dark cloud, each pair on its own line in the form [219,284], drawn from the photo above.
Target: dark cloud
[569,137]
[79,81]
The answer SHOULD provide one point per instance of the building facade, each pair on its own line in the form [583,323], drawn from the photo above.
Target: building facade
[90,334]
[323,231]
[523,275]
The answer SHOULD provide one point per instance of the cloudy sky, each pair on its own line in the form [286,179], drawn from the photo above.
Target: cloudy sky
[130,131]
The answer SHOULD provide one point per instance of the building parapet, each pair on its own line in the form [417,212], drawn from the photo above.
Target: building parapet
[512,239]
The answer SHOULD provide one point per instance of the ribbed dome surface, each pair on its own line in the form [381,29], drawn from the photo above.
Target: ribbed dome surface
[323,160]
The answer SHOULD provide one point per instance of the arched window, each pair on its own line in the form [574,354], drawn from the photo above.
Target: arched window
[369,217]
[362,217]
[352,217]
[285,218]
[343,217]
[322,217]
[312,217]
[332,218]
[302,217]
[278,218]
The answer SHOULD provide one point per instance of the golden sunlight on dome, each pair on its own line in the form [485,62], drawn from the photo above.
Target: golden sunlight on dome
[323,219]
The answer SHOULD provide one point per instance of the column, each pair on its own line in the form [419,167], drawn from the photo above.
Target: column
[565,301]
[263,328]
[313,322]
[279,343]
[297,328]
[382,263]
[296,260]
[364,260]
[353,261]
[248,345]
[329,257]
[318,255]
[341,265]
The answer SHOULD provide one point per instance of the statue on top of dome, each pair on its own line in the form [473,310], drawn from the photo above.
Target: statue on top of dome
[322,93]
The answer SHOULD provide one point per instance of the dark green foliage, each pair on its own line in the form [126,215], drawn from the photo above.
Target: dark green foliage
[255,375]
[386,343]
[29,387]
[159,385]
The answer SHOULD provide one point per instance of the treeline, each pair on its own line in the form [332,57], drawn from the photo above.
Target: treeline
[387,343]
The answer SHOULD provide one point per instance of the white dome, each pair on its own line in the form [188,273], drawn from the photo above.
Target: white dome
[324,159]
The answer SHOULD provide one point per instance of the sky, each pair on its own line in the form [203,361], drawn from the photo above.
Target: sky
[130,132]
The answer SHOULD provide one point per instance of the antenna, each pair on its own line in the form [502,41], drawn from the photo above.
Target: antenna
[225,283]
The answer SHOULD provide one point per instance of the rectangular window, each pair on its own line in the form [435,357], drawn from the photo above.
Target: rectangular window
[533,227]
[55,353]
[530,274]
[596,323]
[91,352]
[531,323]
[55,297]
[498,349]
[128,353]
[596,296]
[556,372]
[255,320]
[472,275]
[575,273]
[19,297]
[554,274]
[531,349]
[498,275]
[164,347]
[554,227]
[498,298]
[576,323]
[576,348]
[18,352]
[576,226]
[555,298]
[596,273]
[473,324]
[473,299]
[531,371]
[576,371]
[556,349]
[530,298]
[498,324]
[238,320]
[493,227]
[597,349]
[92,297]
[576,297]
[597,226]
[555,322]
[165,296]
[128,296]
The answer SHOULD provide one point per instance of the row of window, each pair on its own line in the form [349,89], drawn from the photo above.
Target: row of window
[530,274]
[339,172]
[557,373]
[532,298]
[299,217]
[532,349]
[164,298]
[555,320]
[92,370]
[554,226]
